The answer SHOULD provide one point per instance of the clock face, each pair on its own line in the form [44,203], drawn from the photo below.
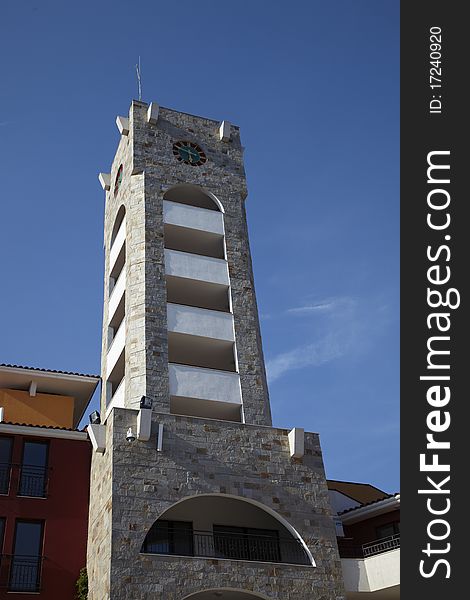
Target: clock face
[189,153]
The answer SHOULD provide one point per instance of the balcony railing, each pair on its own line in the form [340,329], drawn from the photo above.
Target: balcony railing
[23,573]
[348,549]
[234,546]
[32,480]
[384,545]
[5,474]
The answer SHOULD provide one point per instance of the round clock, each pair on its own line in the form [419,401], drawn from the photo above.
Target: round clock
[189,153]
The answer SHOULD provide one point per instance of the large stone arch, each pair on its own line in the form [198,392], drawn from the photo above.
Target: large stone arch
[173,509]
[225,594]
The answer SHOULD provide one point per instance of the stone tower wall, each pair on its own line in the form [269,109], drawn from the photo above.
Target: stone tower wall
[223,458]
[150,169]
[133,483]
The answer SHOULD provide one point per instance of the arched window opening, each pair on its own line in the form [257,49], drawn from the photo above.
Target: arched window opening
[203,376]
[118,180]
[115,355]
[191,229]
[192,196]
[117,224]
[215,526]
[224,594]
[193,222]
[117,249]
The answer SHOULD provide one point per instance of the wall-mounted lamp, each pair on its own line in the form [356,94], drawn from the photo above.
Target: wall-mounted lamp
[130,436]
[95,418]
[145,402]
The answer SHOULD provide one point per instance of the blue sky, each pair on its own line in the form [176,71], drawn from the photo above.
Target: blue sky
[314,86]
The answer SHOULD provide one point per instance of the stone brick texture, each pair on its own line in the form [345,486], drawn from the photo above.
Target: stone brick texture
[201,456]
[149,170]
[132,484]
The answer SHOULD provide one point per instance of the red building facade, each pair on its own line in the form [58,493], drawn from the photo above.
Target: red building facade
[44,488]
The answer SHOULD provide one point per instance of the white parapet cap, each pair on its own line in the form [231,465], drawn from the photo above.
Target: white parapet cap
[152,113]
[297,442]
[105,180]
[144,424]
[367,511]
[224,131]
[123,125]
[97,434]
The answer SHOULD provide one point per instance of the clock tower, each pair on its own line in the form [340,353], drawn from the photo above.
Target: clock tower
[194,495]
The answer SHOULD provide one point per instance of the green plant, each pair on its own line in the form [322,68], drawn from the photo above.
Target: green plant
[82,585]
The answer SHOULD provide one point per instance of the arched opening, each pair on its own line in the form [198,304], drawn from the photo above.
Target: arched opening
[193,222]
[117,223]
[193,196]
[204,381]
[118,181]
[224,526]
[115,356]
[224,594]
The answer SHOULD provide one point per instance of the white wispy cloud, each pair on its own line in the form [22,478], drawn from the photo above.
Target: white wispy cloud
[302,310]
[265,316]
[348,326]
[310,355]
[326,305]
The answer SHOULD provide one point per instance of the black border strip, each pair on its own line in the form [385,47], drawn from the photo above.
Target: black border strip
[434,568]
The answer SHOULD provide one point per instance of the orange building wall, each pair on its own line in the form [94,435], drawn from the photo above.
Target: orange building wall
[42,409]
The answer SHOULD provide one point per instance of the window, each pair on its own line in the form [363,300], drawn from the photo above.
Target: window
[247,543]
[388,530]
[118,181]
[26,562]
[193,196]
[6,444]
[33,476]
[170,537]
[2,531]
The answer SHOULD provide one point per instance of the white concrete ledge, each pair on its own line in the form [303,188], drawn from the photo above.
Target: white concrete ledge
[297,442]
[193,217]
[152,113]
[372,574]
[117,401]
[97,435]
[116,295]
[123,125]
[105,180]
[116,348]
[201,322]
[204,384]
[117,245]
[144,424]
[224,131]
[194,266]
